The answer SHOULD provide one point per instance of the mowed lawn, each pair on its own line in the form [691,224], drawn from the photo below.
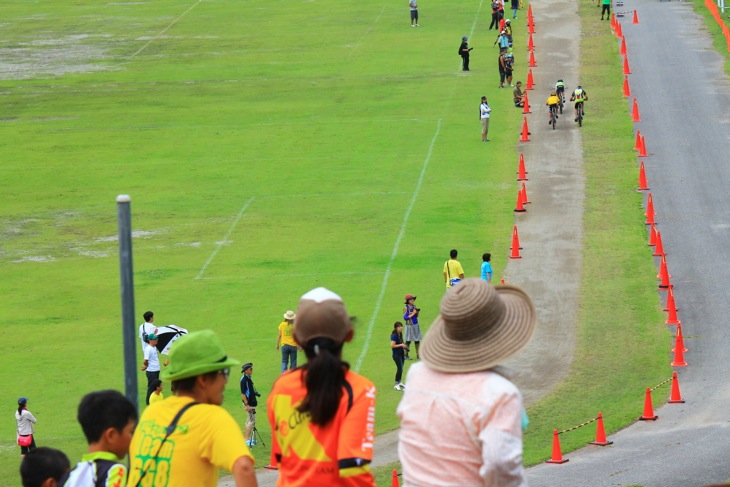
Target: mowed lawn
[269,147]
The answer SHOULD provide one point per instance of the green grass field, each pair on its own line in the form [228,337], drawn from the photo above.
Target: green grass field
[270,147]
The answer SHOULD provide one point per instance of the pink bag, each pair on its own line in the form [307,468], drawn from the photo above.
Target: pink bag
[25,440]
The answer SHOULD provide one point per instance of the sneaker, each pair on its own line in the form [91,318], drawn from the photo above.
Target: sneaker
[413,25]
[249,443]
[402,386]
[397,387]
[417,25]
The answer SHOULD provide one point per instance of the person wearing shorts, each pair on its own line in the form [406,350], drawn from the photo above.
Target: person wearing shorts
[484,111]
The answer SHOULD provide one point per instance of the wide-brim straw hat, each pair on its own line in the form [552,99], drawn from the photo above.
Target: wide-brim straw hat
[480,326]
[290,315]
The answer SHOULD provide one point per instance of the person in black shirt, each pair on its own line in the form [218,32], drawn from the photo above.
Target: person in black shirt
[248,397]
[464,53]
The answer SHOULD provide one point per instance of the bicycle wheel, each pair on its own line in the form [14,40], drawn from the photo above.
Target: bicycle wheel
[552,119]
[561,105]
[580,117]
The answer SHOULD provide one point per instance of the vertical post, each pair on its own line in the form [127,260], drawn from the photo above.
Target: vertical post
[124,220]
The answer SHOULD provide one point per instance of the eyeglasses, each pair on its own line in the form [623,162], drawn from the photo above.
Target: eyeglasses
[225,372]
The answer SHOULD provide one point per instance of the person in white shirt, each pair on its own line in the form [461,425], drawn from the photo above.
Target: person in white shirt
[146,328]
[413,5]
[151,365]
[484,111]
[25,420]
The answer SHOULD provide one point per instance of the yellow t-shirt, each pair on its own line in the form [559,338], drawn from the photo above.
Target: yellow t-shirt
[156,397]
[287,333]
[553,100]
[452,269]
[206,438]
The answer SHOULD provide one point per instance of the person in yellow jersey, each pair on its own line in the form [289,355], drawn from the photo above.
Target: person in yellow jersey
[185,439]
[157,395]
[285,341]
[453,272]
[552,103]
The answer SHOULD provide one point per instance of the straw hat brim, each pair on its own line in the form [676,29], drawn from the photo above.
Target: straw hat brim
[508,336]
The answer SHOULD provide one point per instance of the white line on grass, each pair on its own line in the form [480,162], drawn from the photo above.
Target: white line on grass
[379,301]
[165,29]
[225,239]
[267,276]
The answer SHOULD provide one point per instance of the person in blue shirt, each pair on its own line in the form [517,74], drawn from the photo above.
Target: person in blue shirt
[487,267]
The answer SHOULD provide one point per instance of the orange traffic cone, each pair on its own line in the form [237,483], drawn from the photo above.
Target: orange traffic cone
[648,408]
[637,144]
[600,433]
[530,44]
[675,396]
[622,50]
[529,11]
[526,106]
[672,308]
[521,172]
[619,32]
[520,207]
[679,336]
[515,244]
[649,214]
[636,18]
[613,22]
[525,200]
[627,89]
[531,25]
[643,183]
[501,281]
[679,349]
[532,59]
[627,69]
[530,81]
[635,112]
[642,149]
[659,248]
[394,482]
[664,274]
[525,131]
[652,235]
[557,454]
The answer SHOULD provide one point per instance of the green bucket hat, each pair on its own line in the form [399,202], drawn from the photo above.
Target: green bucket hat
[195,354]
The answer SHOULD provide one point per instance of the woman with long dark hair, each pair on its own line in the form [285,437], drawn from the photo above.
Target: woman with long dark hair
[322,414]
[399,354]
[25,421]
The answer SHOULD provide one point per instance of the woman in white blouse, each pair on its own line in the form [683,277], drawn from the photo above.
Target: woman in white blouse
[25,420]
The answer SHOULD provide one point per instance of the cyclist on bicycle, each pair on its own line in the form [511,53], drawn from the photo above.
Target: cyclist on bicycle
[560,89]
[552,104]
[579,96]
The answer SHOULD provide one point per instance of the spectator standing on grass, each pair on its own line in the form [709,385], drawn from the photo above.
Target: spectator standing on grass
[487,267]
[398,350]
[518,95]
[606,8]
[453,272]
[508,31]
[515,4]
[151,365]
[44,467]
[413,6]
[249,399]
[285,341]
[203,436]
[464,51]
[147,328]
[157,394]
[484,111]
[413,330]
[25,429]
[107,419]
[322,414]
[461,417]
[495,15]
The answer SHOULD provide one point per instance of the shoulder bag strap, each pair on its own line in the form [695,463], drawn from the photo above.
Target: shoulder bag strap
[168,431]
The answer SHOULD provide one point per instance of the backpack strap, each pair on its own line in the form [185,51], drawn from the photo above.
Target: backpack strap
[348,389]
[168,431]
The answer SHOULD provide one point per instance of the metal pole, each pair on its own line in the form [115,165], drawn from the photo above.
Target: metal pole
[124,219]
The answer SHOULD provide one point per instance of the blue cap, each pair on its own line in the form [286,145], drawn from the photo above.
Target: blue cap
[22,401]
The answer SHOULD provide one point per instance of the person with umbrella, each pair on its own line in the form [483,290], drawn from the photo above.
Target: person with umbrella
[151,365]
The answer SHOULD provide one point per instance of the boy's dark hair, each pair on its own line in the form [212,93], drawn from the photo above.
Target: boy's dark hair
[486,257]
[453,253]
[42,464]
[101,410]
[148,315]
